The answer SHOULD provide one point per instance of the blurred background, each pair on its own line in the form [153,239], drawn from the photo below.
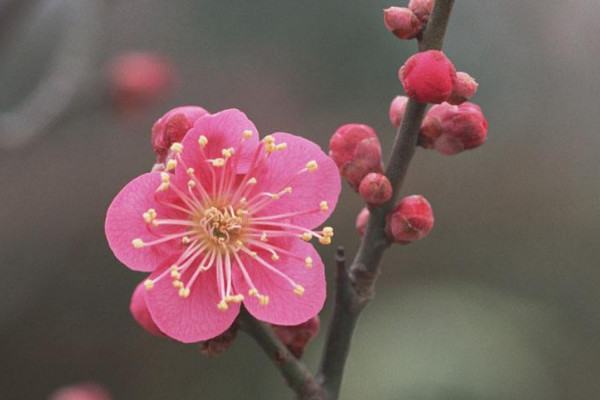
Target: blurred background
[500,302]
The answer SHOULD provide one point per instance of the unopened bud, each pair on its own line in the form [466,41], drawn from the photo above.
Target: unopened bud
[421,8]
[81,391]
[412,219]
[375,189]
[138,79]
[458,128]
[356,151]
[217,345]
[362,220]
[428,77]
[464,88]
[140,312]
[297,337]
[401,22]
[397,110]
[172,127]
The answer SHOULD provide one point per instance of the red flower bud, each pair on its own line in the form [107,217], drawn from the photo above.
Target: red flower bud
[217,345]
[375,189]
[412,219]
[463,127]
[397,109]
[428,77]
[140,312]
[421,8]
[401,22]
[356,151]
[361,221]
[297,337]
[82,391]
[464,88]
[172,127]
[139,79]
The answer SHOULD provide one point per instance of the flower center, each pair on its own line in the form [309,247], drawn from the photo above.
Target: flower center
[220,226]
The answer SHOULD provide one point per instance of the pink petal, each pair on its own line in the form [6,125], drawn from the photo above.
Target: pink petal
[309,189]
[140,312]
[194,318]
[124,223]
[223,130]
[285,307]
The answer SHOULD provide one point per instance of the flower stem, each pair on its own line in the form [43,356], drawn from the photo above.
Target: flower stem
[293,370]
[355,285]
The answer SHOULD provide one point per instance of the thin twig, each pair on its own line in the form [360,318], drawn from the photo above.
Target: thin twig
[293,370]
[356,284]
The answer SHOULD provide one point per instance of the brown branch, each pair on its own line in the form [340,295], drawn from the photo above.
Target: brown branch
[293,370]
[356,284]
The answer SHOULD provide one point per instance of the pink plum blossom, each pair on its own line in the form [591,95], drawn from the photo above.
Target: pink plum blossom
[228,221]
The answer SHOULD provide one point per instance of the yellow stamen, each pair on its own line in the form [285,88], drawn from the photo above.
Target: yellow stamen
[325,240]
[191,184]
[203,141]
[137,243]
[253,292]
[306,236]
[324,206]
[263,237]
[263,300]
[227,153]
[185,240]
[148,284]
[328,231]
[252,181]
[281,146]
[222,305]
[311,166]
[299,290]
[176,147]
[269,139]
[247,134]
[190,171]
[274,257]
[288,190]
[171,164]
[309,262]
[218,162]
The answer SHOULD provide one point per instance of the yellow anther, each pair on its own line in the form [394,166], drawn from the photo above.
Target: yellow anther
[176,147]
[239,242]
[241,211]
[253,254]
[175,273]
[247,134]
[155,223]
[137,243]
[306,236]
[148,284]
[218,162]
[191,183]
[163,186]
[190,171]
[164,177]
[281,146]
[184,292]
[202,141]
[274,196]
[269,139]
[288,190]
[251,181]
[274,257]
[227,153]
[312,166]
[253,292]
[263,237]
[309,262]
[238,298]
[243,201]
[185,240]
[270,148]
[222,305]
[263,300]
[177,283]
[328,231]
[325,240]
[171,164]
[324,206]
[299,290]
[147,217]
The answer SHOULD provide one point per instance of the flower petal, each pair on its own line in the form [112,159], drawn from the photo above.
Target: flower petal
[194,318]
[124,223]
[285,307]
[140,312]
[309,189]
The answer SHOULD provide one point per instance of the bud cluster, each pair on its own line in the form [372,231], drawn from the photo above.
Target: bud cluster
[408,23]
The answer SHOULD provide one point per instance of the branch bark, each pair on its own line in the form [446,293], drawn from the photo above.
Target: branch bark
[293,370]
[355,285]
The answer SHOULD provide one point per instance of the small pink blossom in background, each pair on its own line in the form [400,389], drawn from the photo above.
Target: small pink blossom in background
[401,22]
[172,127]
[428,77]
[375,189]
[362,219]
[464,88]
[411,220]
[452,129]
[228,222]
[397,110]
[138,79]
[421,8]
[356,150]
[82,391]
[296,338]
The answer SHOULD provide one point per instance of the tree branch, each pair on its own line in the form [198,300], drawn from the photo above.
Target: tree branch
[356,284]
[293,370]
